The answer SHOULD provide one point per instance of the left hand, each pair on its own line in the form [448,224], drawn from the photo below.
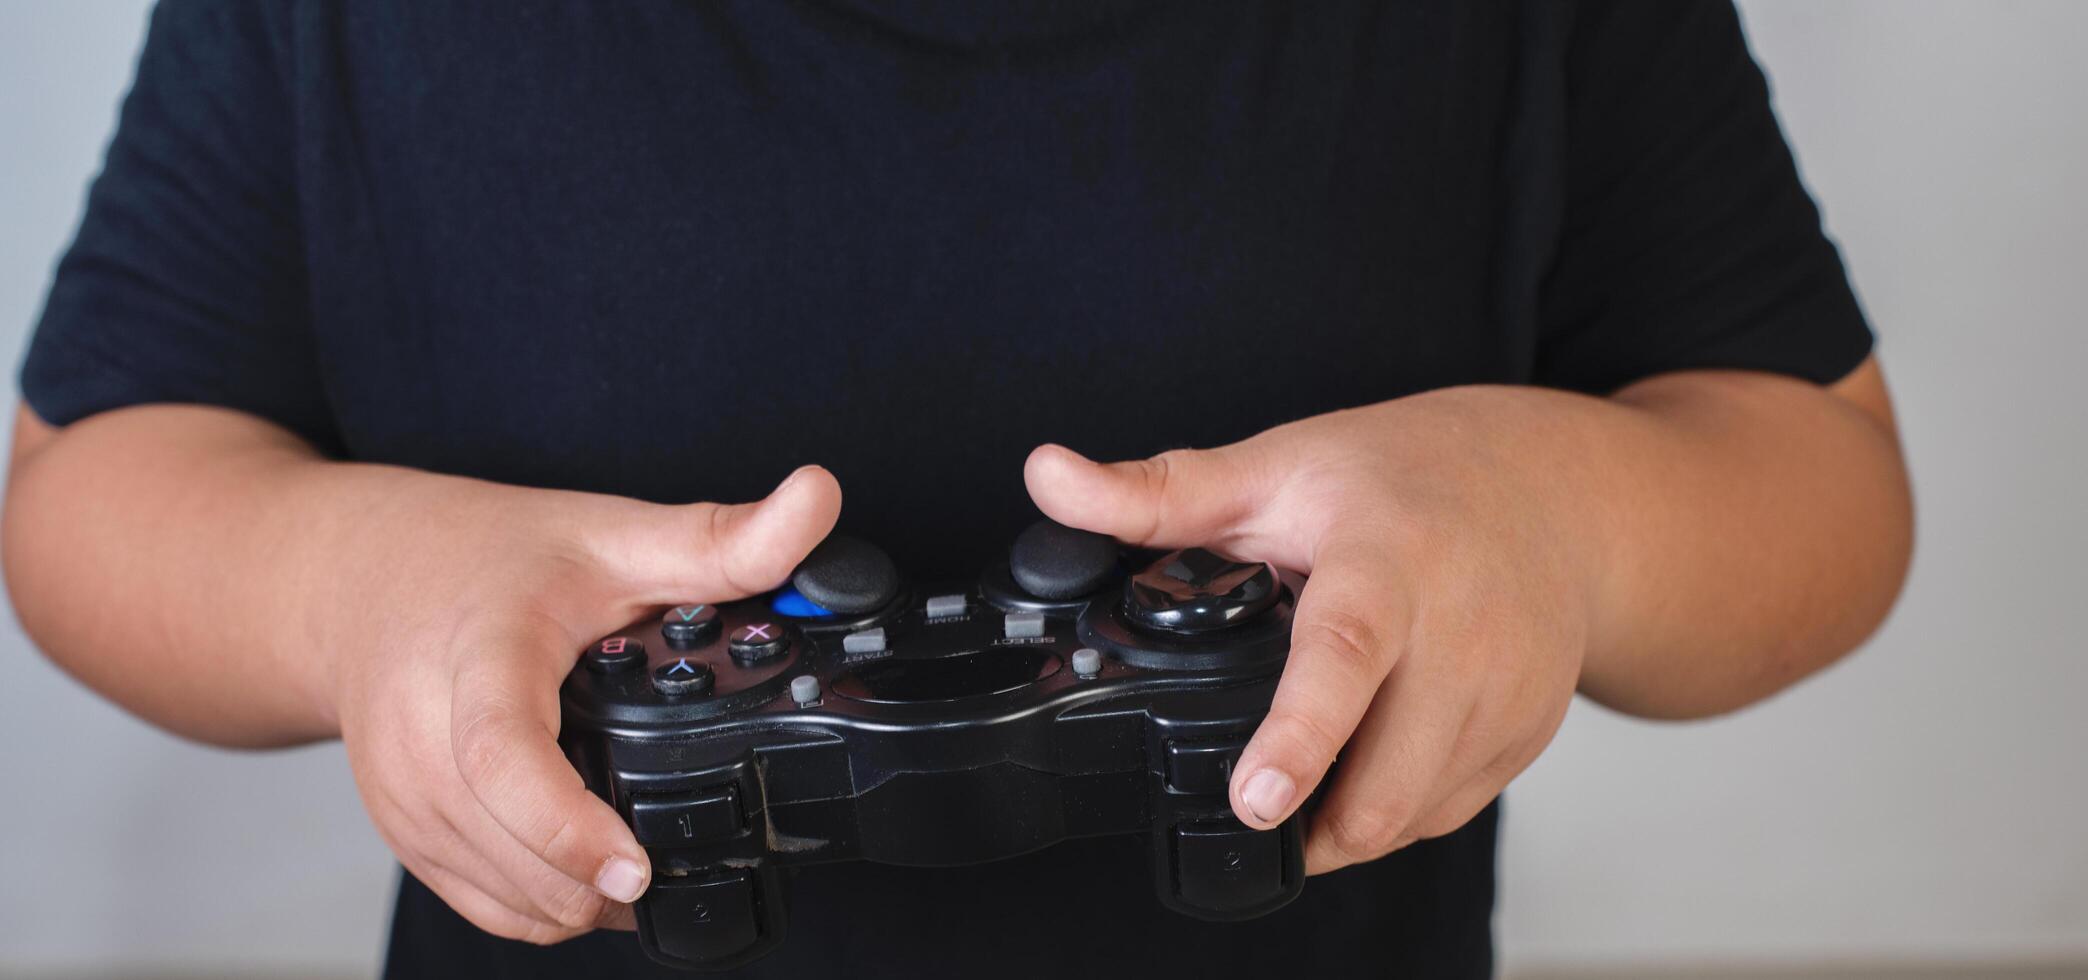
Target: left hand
[1441,634]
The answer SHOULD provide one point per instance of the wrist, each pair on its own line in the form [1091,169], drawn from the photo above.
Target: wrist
[1555,471]
[362,549]
[1591,468]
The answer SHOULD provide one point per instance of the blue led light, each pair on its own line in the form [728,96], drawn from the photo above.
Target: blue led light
[790,602]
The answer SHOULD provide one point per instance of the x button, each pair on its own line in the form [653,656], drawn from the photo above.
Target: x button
[756,642]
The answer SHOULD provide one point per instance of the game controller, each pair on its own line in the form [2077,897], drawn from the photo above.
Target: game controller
[1073,690]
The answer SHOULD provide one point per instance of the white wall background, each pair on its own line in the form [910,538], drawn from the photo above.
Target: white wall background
[1927,799]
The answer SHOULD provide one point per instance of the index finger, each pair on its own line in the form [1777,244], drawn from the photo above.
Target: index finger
[504,731]
[1349,630]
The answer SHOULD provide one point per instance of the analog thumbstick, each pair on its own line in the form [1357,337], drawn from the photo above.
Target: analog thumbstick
[1052,561]
[847,575]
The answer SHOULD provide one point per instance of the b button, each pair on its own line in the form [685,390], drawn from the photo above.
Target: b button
[615,655]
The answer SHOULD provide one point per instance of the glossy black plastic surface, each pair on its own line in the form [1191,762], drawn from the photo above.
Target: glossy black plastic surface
[1197,591]
[957,740]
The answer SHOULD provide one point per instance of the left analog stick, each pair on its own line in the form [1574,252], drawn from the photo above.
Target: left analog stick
[847,575]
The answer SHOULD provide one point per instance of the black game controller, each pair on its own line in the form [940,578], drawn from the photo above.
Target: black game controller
[854,717]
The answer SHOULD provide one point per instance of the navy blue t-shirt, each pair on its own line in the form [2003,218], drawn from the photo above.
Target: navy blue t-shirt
[672,249]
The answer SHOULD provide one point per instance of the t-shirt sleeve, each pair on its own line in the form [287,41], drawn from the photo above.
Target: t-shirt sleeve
[1687,239]
[186,282]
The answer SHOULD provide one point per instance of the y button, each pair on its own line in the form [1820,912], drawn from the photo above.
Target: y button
[682,678]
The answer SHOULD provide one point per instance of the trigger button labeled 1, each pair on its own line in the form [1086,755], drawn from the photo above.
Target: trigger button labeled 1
[682,819]
[1204,766]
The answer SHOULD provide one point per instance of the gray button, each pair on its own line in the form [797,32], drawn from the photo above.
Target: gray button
[1022,626]
[945,605]
[804,689]
[864,641]
[1087,661]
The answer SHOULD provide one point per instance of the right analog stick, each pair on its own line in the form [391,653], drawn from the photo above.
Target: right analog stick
[1052,561]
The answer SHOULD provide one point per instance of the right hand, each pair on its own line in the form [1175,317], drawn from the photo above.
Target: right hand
[452,617]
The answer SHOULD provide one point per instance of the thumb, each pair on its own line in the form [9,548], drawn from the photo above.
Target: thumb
[1180,498]
[718,552]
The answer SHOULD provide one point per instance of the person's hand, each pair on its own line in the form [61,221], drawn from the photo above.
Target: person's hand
[1437,642]
[453,616]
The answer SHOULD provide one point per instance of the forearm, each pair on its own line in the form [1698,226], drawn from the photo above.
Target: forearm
[166,556]
[214,575]
[1746,530]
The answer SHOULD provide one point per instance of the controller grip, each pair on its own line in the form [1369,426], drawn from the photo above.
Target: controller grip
[715,920]
[1222,870]
[708,907]
[1206,863]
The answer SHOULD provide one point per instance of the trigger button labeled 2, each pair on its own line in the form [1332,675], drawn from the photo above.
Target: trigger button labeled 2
[704,920]
[1223,866]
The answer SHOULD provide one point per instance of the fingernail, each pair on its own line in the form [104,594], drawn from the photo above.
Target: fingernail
[1267,794]
[622,879]
[1068,453]
[788,480]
